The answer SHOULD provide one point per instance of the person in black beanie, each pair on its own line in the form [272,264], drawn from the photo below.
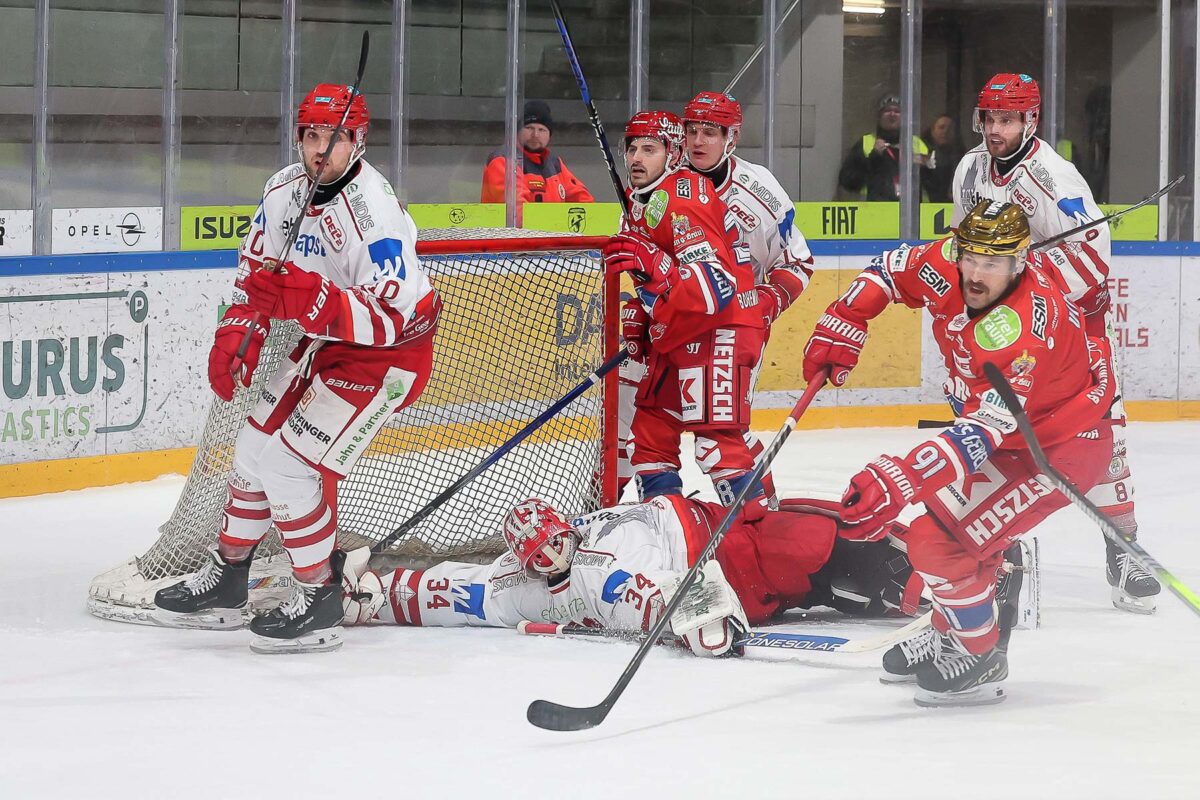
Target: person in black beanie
[544,178]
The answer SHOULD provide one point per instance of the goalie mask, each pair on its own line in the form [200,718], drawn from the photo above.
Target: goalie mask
[1010,92]
[719,109]
[323,108]
[540,538]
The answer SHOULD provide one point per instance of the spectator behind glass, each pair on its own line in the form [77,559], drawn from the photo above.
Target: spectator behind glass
[945,151]
[871,169]
[543,178]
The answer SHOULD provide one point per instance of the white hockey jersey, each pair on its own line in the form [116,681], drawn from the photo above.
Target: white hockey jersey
[1056,198]
[627,552]
[766,218]
[362,240]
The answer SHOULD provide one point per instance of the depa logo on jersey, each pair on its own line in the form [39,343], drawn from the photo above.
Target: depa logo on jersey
[106,230]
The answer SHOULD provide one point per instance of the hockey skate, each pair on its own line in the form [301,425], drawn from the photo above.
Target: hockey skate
[1133,587]
[211,599]
[310,621]
[900,663]
[954,677]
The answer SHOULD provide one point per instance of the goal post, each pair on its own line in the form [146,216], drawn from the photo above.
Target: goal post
[524,318]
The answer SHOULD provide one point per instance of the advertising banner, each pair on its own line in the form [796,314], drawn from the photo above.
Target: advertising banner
[214,227]
[106,230]
[95,364]
[16,233]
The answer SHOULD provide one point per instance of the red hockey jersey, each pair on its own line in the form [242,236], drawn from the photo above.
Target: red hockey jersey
[1034,335]
[686,219]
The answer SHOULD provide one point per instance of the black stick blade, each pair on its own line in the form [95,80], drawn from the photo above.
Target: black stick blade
[553,717]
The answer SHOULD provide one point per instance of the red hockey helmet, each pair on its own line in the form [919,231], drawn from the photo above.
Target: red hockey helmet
[715,107]
[323,108]
[539,537]
[661,125]
[1010,92]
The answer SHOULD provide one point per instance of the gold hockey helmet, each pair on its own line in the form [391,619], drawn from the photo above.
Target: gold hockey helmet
[995,229]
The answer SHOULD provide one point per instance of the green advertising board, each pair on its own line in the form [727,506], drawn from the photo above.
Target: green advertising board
[457,215]
[848,220]
[1140,225]
[589,219]
[213,227]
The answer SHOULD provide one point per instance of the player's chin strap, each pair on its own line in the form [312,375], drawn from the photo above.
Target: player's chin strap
[644,191]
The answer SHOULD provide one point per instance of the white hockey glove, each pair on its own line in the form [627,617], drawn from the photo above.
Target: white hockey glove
[710,618]
[362,590]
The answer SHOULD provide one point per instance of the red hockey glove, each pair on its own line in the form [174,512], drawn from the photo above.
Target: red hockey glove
[835,343]
[230,331]
[627,252]
[876,496]
[634,321]
[293,293]
[784,284]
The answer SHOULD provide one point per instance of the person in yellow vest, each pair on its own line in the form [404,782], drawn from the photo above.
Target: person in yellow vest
[871,169]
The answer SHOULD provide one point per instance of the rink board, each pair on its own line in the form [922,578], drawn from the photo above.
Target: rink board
[105,356]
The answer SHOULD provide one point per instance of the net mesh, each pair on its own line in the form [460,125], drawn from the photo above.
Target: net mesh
[518,330]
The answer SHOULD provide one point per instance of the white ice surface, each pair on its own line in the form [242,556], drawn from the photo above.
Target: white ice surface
[1102,704]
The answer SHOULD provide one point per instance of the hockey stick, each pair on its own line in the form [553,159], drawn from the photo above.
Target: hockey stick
[591,380]
[293,230]
[593,115]
[556,717]
[1053,240]
[754,639]
[758,51]
[1133,549]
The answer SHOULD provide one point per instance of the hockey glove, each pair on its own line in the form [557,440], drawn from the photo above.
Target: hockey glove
[835,344]
[231,330]
[711,618]
[362,589]
[650,266]
[784,284]
[876,496]
[634,321]
[294,293]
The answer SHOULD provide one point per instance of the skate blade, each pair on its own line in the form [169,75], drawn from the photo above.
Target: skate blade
[322,641]
[215,619]
[1134,605]
[985,695]
[888,679]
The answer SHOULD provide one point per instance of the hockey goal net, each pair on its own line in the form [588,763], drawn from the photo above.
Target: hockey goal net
[525,318]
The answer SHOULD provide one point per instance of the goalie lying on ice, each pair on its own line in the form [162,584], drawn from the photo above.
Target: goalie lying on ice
[616,568]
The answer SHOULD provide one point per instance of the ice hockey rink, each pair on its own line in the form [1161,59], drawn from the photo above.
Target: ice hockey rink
[1102,704]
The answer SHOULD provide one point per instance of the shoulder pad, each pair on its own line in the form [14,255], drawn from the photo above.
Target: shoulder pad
[288,173]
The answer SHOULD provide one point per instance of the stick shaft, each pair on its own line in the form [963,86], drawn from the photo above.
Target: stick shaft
[293,230]
[591,380]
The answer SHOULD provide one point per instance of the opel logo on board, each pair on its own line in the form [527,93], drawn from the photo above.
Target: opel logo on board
[131,229]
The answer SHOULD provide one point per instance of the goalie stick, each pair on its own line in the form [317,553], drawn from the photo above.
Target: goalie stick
[591,380]
[557,717]
[767,640]
[593,115]
[293,230]
[1107,527]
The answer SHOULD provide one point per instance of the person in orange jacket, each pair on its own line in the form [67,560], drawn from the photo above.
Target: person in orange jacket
[544,178]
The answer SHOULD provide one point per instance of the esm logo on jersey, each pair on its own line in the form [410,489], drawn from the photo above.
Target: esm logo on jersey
[1040,317]
[933,279]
